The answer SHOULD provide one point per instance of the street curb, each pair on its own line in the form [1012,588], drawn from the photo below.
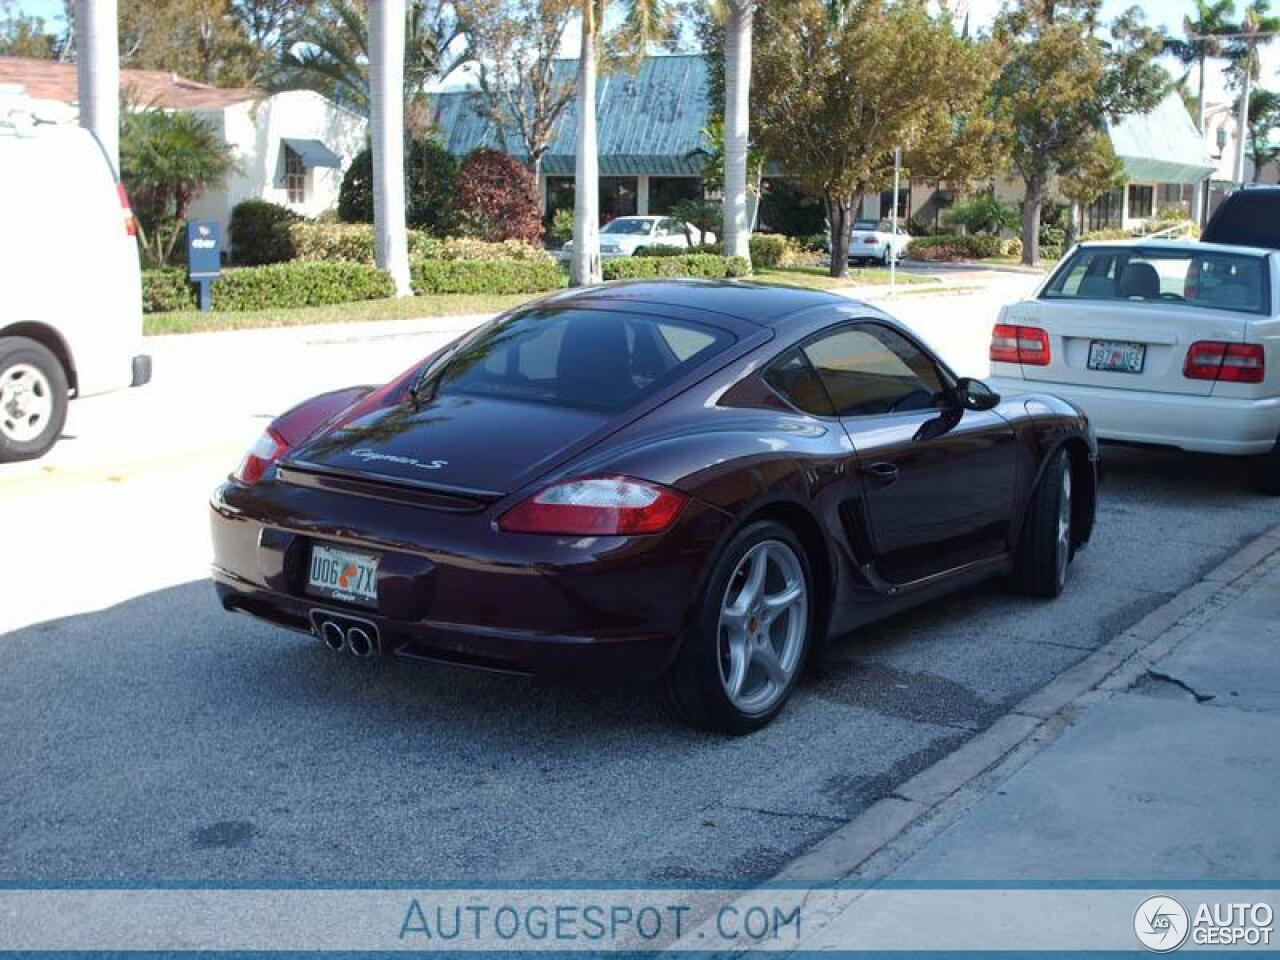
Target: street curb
[1026,728]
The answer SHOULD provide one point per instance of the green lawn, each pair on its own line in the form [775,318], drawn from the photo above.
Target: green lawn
[439,305]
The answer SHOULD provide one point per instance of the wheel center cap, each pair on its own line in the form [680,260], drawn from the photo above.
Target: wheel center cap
[753,624]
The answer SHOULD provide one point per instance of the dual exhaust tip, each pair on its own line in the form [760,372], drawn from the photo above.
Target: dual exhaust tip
[358,639]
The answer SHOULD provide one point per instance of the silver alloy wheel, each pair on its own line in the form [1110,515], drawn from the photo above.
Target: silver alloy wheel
[26,403]
[1064,526]
[763,619]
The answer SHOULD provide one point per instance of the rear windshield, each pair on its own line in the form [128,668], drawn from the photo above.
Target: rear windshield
[1191,277]
[1247,218]
[873,225]
[586,359]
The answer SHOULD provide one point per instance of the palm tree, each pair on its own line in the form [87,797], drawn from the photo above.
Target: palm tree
[1258,28]
[330,50]
[739,19]
[643,22]
[1202,41]
[98,72]
[1264,116]
[386,109]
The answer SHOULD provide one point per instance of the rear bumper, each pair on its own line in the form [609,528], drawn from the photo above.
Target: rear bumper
[1221,425]
[141,370]
[585,609]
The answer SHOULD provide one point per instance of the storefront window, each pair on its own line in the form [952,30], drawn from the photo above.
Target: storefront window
[1141,201]
[617,197]
[666,192]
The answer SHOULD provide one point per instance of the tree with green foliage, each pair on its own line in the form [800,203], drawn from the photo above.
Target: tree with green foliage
[1063,80]
[838,87]
[1098,171]
[1258,28]
[983,213]
[430,185]
[25,36]
[1264,117]
[330,50]
[1201,41]
[166,160]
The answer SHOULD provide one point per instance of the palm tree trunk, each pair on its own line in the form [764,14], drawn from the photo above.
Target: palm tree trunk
[386,109]
[584,265]
[1197,198]
[1242,123]
[98,73]
[737,111]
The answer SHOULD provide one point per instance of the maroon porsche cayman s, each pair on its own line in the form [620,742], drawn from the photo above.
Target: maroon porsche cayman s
[691,482]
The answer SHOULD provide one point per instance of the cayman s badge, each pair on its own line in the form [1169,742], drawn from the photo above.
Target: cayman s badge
[366,455]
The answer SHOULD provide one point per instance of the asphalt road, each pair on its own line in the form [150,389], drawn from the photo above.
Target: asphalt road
[147,736]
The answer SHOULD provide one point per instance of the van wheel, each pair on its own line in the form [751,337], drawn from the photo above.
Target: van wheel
[1041,568]
[749,635]
[33,399]
[1264,472]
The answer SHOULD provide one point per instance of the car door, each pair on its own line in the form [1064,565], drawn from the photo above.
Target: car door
[938,479]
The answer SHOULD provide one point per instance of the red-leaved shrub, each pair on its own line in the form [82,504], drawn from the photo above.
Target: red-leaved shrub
[497,198]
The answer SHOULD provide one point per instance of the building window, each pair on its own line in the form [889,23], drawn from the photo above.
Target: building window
[666,192]
[295,177]
[617,197]
[1104,213]
[1141,201]
[904,203]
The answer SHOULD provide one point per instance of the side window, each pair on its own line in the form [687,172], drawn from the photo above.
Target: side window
[870,369]
[794,378]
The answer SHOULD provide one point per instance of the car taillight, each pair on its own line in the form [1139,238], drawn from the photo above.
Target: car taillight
[130,224]
[870,241]
[1017,344]
[263,455]
[1232,362]
[596,507]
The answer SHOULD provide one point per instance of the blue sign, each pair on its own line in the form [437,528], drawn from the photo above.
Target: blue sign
[204,257]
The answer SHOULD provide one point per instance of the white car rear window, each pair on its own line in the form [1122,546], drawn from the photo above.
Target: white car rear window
[1190,277]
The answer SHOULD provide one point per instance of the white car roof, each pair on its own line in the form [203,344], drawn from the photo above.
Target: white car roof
[1178,246]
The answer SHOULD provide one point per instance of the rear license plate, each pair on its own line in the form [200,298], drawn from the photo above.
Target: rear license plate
[1117,356]
[343,575]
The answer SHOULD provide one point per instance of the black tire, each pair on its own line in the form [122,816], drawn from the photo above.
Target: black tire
[693,688]
[1264,472]
[17,356]
[1042,562]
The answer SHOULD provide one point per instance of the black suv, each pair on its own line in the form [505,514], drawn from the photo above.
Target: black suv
[1247,218]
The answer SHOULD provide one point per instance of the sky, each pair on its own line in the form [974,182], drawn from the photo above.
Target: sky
[1163,13]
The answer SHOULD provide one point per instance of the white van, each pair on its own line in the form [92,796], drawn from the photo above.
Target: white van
[71,297]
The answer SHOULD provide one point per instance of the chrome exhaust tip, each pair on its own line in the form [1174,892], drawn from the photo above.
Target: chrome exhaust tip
[332,636]
[359,642]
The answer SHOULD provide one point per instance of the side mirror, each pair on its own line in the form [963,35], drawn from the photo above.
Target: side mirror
[975,395]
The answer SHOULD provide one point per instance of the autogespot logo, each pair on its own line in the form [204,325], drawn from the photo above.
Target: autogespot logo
[1161,924]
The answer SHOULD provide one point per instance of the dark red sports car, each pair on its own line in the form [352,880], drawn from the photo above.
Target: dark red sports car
[692,482]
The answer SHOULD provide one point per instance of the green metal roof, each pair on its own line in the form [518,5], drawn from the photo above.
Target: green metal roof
[650,121]
[1162,146]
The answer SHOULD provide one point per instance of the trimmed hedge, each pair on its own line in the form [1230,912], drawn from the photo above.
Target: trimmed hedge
[260,233]
[274,286]
[353,242]
[166,289]
[945,247]
[707,265]
[714,248]
[485,276]
[768,249]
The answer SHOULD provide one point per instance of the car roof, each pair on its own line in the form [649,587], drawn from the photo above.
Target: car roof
[759,303]
[1179,245]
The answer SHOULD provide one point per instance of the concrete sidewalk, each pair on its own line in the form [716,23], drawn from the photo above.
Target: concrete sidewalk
[1156,759]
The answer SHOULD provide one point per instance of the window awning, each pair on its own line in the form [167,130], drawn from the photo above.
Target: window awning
[313,153]
[1162,146]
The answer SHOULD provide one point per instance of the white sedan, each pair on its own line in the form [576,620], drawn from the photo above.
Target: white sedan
[1172,343]
[877,240]
[625,236]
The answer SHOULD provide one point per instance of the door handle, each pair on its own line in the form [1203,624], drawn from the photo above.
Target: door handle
[881,472]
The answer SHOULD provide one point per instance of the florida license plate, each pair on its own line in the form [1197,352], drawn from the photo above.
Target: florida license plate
[1117,356]
[343,575]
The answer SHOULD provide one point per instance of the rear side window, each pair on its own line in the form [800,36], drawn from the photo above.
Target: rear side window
[795,379]
[587,359]
[1248,218]
[1189,277]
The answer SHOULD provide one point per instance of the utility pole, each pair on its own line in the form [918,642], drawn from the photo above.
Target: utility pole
[386,114]
[893,255]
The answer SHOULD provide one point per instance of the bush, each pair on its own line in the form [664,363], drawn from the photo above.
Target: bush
[354,242]
[485,276]
[430,186]
[562,224]
[260,233]
[983,213]
[945,248]
[1050,251]
[166,289]
[768,249]
[1107,235]
[497,198]
[707,265]
[716,248]
[1012,247]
